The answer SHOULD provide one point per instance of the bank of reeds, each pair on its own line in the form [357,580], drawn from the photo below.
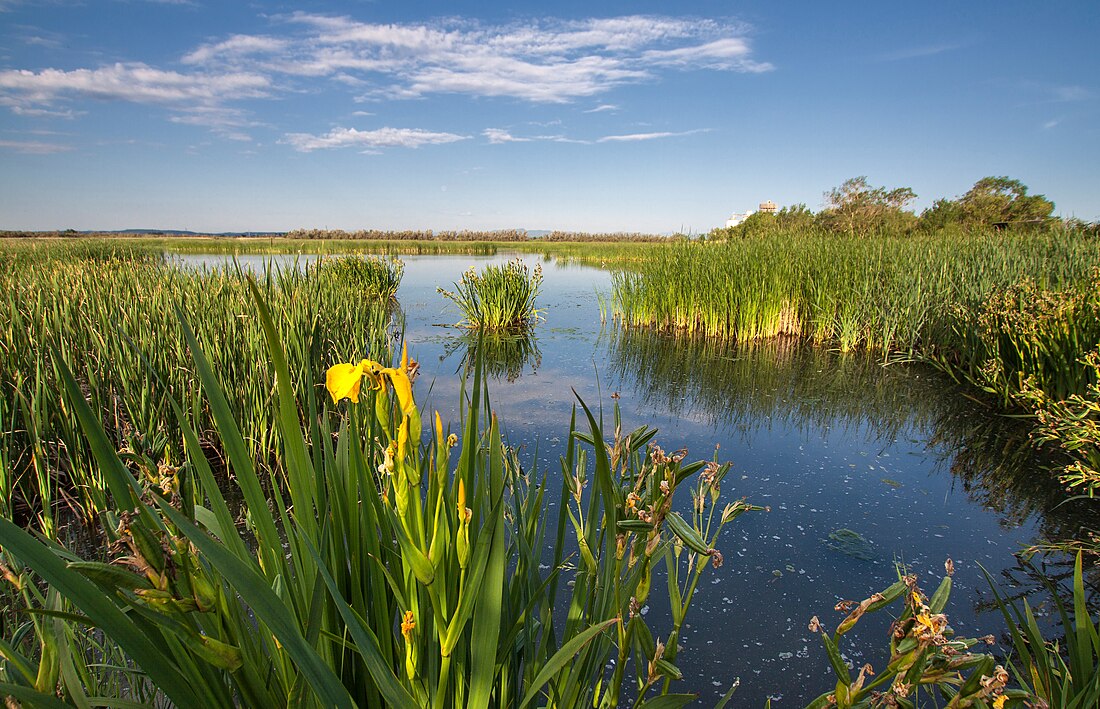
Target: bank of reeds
[389,569]
[1014,315]
[886,294]
[101,311]
[499,297]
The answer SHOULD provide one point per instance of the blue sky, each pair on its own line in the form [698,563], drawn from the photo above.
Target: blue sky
[613,116]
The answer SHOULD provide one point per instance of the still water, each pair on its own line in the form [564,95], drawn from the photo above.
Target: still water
[896,454]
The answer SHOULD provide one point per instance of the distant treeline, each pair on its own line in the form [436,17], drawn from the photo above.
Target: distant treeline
[467,235]
[856,208]
[130,234]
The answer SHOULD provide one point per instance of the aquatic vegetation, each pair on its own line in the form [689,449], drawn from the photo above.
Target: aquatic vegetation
[378,278]
[1026,333]
[108,313]
[850,543]
[499,297]
[1074,424]
[389,567]
[927,663]
[888,294]
[1059,673]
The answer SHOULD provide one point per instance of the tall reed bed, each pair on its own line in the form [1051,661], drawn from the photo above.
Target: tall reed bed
[107,313]
[910,295]
[500,297]
[389,569]
[884,294]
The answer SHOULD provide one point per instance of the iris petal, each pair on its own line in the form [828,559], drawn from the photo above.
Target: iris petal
[343,381]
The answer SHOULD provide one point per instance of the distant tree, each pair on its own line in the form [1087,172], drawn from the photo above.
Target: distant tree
[793,218]
[942,214]
[857,208]
[1002,200]
[796,217]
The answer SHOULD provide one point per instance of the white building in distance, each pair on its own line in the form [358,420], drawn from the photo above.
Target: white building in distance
[768,207]
[736,219]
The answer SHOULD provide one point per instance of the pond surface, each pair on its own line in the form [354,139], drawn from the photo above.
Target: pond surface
[895,454]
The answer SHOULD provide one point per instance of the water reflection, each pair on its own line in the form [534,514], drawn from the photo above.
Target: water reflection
[504,356]
[754,386]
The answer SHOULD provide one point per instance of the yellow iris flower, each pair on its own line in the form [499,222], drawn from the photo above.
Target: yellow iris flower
[344,381]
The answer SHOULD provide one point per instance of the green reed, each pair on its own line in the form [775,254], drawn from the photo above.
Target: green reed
[390,568]
[96,307]
[499,297]
[376,278]
[908,296]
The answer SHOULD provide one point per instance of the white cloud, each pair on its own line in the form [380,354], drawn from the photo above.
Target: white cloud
[1051,123]
[634,137]
[603,107]
[45,112]
[730,53]
[33,147]
[378,138]
[138,83]
[497,136]
[235,48]
[542,61]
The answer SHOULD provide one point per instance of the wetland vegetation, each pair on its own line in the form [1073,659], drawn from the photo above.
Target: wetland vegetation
[258,538]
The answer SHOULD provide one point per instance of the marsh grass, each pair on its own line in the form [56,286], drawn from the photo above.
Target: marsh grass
[499,297]
[96,307]
[390,567]
[991,309]
[376,278]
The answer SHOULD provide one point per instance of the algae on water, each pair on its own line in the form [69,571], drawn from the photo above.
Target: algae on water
[851,543]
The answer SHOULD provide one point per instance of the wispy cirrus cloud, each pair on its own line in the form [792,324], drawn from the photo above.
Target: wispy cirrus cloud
[236,49]
[1070,93]
[136,82]
[499,136]
[67,113]
[635,137]
[34,147]
[602,108]
[378,138]
[928,50]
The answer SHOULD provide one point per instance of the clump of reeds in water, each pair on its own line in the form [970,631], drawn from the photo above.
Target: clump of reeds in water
[499,297]
[378,278]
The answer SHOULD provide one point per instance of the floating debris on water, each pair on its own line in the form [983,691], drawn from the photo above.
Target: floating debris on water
[892,483]
[851,543]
